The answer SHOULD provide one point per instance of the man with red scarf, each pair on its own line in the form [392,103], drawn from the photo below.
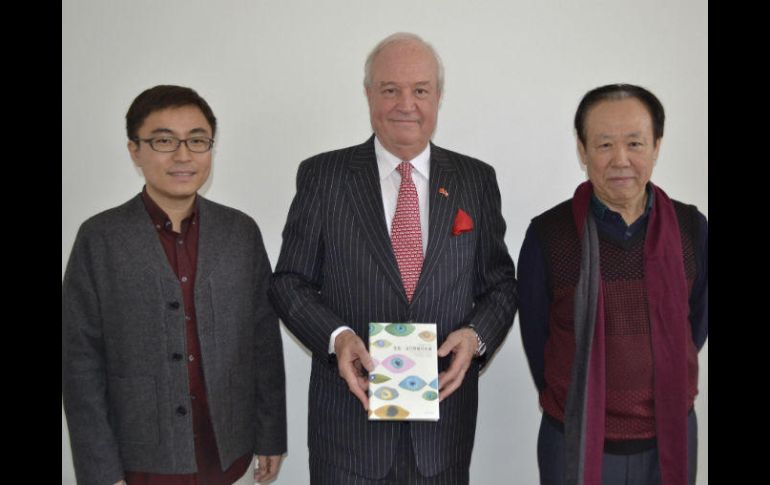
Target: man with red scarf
[613,288]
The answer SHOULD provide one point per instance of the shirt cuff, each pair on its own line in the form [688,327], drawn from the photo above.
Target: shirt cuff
[334,336]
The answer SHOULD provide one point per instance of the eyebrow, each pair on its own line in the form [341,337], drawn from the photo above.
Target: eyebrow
[171,132]
[635,134]
[394,83]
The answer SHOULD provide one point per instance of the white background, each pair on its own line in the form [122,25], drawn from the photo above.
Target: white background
[284,79]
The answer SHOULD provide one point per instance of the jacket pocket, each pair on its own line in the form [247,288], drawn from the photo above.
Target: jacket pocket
[134,409]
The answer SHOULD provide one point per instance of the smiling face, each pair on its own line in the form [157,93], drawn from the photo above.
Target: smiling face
[619,153]
[404,98]
[172,178]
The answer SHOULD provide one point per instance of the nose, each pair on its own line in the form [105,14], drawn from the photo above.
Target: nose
[405,101]
[183,153]
[620,156]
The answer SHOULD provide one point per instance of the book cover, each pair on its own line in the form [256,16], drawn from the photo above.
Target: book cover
[404,383]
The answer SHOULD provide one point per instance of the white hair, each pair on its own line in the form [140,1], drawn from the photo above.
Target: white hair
[402,37]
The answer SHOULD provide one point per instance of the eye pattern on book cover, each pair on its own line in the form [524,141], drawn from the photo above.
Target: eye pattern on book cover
[412,383]
[428,336]
[399,329]
[375,328]
[430,395]
[386,393]
[391,411]
[398,363]
[381,343]
[378,378]
[434,383]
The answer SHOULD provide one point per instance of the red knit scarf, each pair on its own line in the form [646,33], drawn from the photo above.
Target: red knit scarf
[668,310]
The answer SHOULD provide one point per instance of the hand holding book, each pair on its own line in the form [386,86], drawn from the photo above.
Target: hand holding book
[353,363]
[462,345]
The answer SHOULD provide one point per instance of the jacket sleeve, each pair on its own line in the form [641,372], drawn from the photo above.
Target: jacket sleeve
[271,380]
[494,286]
[95,450]
[534,304]
[296,284]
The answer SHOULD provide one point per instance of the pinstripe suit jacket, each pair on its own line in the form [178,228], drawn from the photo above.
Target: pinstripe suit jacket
[337,267]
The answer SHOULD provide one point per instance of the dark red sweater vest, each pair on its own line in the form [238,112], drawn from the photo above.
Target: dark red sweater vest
[630,402]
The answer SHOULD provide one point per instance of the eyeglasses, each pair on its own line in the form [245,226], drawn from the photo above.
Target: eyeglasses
[166,144]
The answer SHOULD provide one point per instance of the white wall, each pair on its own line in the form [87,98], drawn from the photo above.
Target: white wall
[285,81]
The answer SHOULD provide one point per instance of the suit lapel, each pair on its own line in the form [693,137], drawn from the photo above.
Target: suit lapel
[442,211]
[366,199]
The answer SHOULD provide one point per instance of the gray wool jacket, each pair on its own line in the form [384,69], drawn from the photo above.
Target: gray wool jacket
[122,320]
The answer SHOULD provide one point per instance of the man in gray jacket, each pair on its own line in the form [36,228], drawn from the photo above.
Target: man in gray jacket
[172,362]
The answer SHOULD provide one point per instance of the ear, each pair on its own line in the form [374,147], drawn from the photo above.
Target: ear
[656,150]
[368,93]
[582,152]
[133,150]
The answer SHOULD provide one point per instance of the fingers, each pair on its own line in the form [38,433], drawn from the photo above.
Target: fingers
[352,361]
[358,385]
[451,342]
[452,378]
[462,344]
[267,468]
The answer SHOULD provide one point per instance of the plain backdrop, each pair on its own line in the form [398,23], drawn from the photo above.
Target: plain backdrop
[284,79]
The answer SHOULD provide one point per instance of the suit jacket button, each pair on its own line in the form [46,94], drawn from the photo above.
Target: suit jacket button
[174,305]
[181,411]
[177,356]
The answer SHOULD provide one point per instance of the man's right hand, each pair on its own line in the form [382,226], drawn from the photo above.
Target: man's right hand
[353,362]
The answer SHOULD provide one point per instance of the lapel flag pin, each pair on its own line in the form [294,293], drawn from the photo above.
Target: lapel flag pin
[443,192]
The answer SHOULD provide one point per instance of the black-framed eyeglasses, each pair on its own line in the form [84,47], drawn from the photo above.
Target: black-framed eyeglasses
[166,144]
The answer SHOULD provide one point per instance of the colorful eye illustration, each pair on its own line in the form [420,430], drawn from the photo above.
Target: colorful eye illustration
[398,363]
[386,393]
[381,343]
[430,395]
[400,329]
[374,328]
[434,383]
[427,335]
[391,411]
[378,378]
[412,383]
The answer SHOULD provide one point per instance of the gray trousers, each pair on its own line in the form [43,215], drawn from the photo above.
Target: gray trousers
[637,469]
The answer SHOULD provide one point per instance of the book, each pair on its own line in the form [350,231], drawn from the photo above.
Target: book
[404,383]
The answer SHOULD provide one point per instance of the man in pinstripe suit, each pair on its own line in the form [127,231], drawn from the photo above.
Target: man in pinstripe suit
[341,268]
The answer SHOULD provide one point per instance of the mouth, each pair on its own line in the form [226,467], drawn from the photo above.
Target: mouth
[182,174]
[621,180]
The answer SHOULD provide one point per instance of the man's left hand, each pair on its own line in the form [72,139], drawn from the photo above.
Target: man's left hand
[462,344]
[267,468]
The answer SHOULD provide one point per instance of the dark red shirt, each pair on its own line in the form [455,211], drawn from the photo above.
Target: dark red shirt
[182,251]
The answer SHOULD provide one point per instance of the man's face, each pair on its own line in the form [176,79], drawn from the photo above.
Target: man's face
[620,151]
[404,98]
[172,177]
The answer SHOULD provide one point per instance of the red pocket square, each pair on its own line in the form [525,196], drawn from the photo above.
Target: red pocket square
[463,223]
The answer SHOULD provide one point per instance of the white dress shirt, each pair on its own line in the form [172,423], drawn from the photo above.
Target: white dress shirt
[390,181]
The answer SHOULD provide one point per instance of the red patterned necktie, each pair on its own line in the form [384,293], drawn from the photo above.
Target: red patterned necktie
[405,234]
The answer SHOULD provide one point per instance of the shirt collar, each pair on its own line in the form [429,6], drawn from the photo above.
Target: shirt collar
[387,162]
[159,217]
[601,210]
